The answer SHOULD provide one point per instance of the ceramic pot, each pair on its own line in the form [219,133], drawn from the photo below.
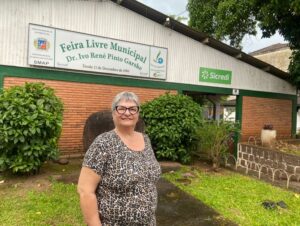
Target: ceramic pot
[268,137]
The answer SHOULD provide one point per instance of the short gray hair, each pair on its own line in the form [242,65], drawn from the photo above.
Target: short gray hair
[127,96]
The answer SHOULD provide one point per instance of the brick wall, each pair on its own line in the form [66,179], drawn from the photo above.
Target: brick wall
[80,101]
[259,111]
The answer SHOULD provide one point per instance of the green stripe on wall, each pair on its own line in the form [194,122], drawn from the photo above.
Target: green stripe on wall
[106,79]
[266,94]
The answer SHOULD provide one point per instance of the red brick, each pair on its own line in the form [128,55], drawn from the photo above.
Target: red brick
[80,101]
[259,111]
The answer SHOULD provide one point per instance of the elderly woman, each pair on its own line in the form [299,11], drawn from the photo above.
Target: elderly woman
[117,183]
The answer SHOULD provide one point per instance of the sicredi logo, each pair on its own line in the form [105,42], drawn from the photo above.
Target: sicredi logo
[205,74]
[213,75]
[41,43]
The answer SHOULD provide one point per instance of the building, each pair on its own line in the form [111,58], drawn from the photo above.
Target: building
[89,50]
[277,55]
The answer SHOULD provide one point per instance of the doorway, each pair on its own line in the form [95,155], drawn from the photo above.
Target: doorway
[215,106]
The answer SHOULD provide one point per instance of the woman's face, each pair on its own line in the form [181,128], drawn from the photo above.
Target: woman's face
[126,114]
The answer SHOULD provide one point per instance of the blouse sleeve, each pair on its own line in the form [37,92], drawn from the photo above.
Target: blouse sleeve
[96,156]
[149,142]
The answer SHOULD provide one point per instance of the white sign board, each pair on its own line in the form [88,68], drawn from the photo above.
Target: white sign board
[41,46]
[58,48]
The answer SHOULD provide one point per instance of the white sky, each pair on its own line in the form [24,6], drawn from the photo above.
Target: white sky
[178,7]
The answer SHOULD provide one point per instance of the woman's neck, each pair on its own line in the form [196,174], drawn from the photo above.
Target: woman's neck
[125,132]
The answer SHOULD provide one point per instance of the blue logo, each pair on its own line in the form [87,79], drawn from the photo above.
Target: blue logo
[158,59]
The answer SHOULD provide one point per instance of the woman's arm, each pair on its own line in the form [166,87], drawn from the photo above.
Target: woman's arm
[87,184]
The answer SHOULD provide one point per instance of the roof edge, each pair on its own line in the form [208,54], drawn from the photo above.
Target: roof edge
[201,37]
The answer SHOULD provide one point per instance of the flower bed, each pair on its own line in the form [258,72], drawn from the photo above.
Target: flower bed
[291,146]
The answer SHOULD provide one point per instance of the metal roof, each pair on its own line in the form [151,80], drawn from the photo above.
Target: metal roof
[202,37]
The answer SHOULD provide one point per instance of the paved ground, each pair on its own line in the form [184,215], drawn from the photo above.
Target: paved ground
[177,208]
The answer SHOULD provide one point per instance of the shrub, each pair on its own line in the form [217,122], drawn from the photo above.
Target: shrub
[30,125]
[268,127]
[171,122]
[214,138]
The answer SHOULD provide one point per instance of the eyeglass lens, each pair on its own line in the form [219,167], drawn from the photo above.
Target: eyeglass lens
[132,110]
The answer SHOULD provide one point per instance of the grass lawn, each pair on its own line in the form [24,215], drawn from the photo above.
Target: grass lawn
[239,198]
[56,206]
[40,199]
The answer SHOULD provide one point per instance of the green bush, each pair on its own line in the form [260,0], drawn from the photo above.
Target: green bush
[214,138]
[30,125]
[171,122]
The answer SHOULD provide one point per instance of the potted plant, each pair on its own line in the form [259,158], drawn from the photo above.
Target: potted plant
[268,135]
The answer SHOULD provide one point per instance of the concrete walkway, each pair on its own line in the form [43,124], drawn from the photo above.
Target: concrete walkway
[178,208]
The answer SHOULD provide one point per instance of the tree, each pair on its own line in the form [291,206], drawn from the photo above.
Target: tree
[180,19]
[223,19]
[294,67]
[233,19]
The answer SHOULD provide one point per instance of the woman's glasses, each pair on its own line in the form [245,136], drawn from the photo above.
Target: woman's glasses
[132,110]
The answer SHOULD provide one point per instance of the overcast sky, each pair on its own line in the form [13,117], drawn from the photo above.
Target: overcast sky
[178,7]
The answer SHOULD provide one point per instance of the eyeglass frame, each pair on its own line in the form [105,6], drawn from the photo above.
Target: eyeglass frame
[127,108]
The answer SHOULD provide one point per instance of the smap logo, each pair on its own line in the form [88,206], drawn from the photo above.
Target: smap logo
[41,62]
[41,43]
[158,58]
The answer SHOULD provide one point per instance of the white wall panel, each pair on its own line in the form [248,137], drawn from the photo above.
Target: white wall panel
[115,21]
[104,18]
[14,19]
[74,15]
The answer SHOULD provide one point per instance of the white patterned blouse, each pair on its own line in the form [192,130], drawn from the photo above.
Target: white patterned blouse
[126,194]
